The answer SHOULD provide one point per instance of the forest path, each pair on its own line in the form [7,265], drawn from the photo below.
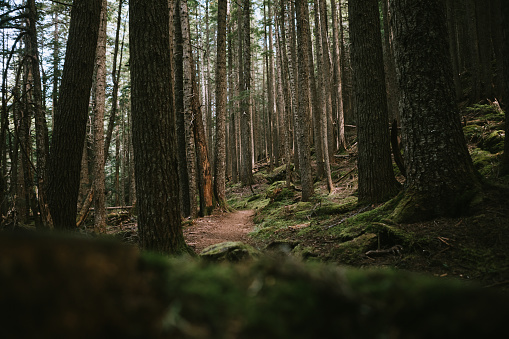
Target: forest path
[217,228]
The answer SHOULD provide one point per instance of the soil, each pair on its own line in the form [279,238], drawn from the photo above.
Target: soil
[217,228]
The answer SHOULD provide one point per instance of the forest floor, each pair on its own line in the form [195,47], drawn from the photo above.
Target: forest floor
[334,228]
[219,227]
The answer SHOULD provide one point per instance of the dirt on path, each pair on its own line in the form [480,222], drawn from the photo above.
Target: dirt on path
[217,228]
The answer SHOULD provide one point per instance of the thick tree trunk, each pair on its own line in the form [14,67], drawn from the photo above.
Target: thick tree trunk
[154,139]
[71,114]
[376,175]
[440,175]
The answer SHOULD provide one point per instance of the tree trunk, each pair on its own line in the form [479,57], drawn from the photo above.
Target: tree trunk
[391,83]
[99,108]
[41,128]
[192,103]
[154,139]
[327,79]
[376,175]
[321,111]
[336,47]
[440,175]
[317,102]
[302,118]
[245,92]
[71,114]
[220,149]
[187,183]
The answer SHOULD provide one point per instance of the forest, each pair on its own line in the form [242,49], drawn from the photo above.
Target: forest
[345,162]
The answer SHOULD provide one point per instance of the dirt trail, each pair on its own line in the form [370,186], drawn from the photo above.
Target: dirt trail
[214,229]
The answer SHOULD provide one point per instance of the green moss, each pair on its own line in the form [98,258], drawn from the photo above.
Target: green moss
[229,251]
[493,142]
[485,162]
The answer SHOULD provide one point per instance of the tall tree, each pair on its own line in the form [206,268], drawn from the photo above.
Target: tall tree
[187,187]
[338,89]
[245,92]
[302,117]
[376,175]
[71,113]
[154,133]
[192,106]
[220,149]
[41,128]
[440,174]
[99,108]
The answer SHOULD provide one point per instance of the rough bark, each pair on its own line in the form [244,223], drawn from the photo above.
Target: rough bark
[187,183]
[41,128]
[376,175]
[440,175]
[336,48]
[220,149]
[71,114]
[245,92]
[317,102]
[99,108]
[189,117]
[154,134]
[302,118]
[327,79]
[321,110]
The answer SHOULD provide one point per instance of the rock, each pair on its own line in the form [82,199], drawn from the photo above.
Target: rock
[281,246]
[232,251]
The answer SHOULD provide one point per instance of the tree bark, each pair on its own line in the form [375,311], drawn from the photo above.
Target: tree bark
[376,175]
[220,149]
[99,108]
[154,134]
[336,47]
[71,114]
[192,103]
[245,92]
[302,118]
[440,175]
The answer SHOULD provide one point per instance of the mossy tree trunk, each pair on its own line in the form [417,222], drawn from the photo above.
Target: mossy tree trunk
[440,176]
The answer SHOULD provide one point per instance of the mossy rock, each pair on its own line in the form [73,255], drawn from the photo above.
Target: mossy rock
[304,252]
[355,248]
[232,251]
[473,132]
[484,162]
[281,246]
[278,191]
[493,142]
